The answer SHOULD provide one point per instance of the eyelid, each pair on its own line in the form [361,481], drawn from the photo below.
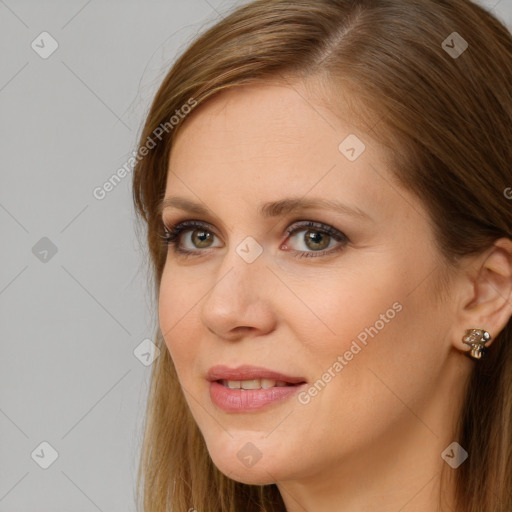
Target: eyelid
[315,225]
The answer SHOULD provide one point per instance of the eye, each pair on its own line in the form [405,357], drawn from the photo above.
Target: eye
[317,239]
[189,236]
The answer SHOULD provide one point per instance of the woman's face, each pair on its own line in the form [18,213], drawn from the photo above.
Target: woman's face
[341,310]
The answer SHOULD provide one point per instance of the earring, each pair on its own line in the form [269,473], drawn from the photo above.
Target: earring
[476,339]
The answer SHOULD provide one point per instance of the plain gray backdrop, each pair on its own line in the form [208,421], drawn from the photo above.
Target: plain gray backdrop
[75,307]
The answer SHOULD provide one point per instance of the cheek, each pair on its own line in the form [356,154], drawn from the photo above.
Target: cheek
[178,305]
[340,306]
[375,335]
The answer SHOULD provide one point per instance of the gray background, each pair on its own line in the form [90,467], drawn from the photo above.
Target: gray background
[71,320]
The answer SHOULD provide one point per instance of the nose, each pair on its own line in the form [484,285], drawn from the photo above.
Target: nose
[239,304]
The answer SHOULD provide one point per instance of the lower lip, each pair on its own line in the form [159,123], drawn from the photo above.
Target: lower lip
[247,400]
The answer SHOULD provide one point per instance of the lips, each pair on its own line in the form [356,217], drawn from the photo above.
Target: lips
[250,388]
[250,373]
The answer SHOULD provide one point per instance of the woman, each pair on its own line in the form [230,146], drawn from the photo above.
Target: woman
[326,190]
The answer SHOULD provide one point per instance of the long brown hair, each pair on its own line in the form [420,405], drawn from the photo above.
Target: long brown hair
[448,119]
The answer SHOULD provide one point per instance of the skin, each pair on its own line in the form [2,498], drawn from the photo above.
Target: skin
[372,438]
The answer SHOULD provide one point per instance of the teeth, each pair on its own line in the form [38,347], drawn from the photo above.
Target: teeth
[267,383]
[253,384]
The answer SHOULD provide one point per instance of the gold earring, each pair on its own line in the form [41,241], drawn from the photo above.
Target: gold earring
[476,339]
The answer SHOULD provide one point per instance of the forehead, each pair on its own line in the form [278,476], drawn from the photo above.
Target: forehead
[272,116]
[262,142]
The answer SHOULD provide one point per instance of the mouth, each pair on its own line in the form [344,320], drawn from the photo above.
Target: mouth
[250,388]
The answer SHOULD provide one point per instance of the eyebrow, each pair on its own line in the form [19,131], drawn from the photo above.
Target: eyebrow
[270,209]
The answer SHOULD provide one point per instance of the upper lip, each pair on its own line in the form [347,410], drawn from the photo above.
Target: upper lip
[246,372]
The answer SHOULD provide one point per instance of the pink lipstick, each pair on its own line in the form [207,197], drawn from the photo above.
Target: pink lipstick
[250,388]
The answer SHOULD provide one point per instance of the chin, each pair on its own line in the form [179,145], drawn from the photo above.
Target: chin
[258,474]
[245,460]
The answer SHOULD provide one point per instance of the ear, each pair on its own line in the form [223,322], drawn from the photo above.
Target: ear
[486,292]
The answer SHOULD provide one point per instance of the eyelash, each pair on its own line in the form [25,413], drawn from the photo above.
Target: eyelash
[173,233]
